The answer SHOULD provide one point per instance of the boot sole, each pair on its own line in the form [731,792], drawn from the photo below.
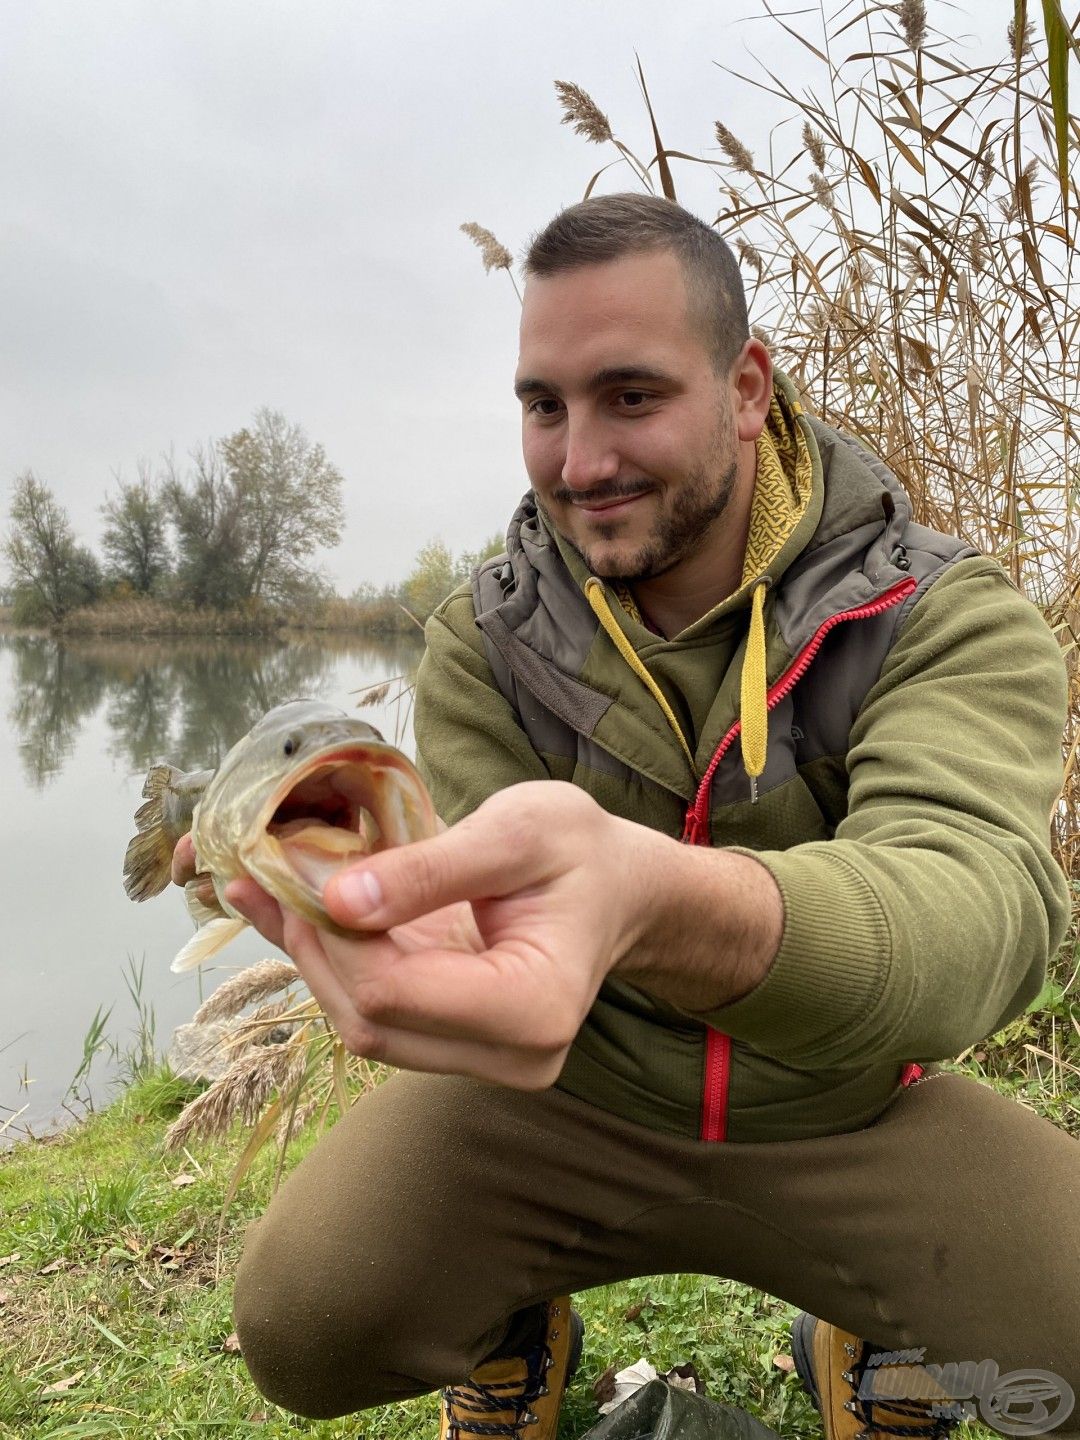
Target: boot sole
[577,1341]
[802,1339]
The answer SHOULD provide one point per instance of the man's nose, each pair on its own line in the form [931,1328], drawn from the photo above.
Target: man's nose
[590,457]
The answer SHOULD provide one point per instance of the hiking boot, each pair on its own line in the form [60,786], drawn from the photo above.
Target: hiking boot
[520,1394]
[859,1401]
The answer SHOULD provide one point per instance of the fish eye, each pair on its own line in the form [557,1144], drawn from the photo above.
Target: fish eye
[292,744]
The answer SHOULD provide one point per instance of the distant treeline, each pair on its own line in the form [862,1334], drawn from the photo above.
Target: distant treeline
[226,545]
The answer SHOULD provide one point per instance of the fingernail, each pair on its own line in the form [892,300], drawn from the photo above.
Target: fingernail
[359,891]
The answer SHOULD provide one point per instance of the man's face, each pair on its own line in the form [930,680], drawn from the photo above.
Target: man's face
[627,431]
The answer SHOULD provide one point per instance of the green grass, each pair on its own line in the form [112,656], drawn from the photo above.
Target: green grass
[116,1281]
[126,1335]
[139,1308]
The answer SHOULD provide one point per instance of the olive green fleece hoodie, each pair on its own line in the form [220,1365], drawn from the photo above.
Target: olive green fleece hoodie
[915,705]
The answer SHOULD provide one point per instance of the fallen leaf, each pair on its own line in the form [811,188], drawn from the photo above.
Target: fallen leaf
[231,1345]
[59,1386]
[258,1417]
[685,1377]
[6,1297]
[10,1259]
[53,1266]
[183,1179]
[979,1056]
[604,1386]
[784,1363]
[170,1258]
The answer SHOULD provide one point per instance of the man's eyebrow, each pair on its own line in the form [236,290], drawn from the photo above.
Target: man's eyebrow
[613,375]
[624,374]
[533,387]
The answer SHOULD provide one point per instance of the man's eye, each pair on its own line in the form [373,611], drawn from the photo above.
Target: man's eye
[545,405]
[633,398]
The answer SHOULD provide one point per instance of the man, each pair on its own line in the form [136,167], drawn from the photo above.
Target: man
[715,622]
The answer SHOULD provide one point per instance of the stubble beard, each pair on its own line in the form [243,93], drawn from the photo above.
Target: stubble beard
[680,533]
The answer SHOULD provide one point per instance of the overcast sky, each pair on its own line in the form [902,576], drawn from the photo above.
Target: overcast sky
[209,207]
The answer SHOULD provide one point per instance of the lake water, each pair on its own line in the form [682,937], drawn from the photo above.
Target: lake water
[84,721]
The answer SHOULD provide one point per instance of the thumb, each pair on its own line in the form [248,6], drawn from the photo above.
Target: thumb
[473,860]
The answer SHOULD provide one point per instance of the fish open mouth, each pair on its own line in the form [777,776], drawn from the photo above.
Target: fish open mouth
[352,802]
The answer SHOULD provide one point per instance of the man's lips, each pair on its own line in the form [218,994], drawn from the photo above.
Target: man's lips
[608,507]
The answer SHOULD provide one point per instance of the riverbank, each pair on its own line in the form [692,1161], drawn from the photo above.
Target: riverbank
[147,617]
[116,1289]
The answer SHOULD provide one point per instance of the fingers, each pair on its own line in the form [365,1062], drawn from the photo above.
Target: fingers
[330,967]
[252,902]
[183,861]
[503,847]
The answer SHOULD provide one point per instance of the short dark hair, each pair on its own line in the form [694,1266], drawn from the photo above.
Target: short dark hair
[607,227]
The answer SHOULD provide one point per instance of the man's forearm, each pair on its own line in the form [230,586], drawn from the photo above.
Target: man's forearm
[712,924]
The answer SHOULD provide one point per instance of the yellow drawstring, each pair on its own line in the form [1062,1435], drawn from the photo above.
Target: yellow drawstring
[753,691]
[594,590]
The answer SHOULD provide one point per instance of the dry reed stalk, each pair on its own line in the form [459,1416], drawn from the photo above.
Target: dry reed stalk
[242,1093]
[252,1029]
[494,254]
[735,152]
[814,144]
[255,983]
[582,112]
[912,17]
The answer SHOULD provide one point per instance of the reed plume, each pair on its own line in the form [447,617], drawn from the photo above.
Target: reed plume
[494,255]
[255,983]
[735,152]
[581,111]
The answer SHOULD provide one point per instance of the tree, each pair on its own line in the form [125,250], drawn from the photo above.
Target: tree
[209,523]
[432,578]
[436,572]
[290,497]
[51,572]
[135,539]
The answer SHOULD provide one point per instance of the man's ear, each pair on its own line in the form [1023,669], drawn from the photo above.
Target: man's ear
[752,380]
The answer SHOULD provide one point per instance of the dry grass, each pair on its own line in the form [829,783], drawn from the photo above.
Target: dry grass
[274,1086]
[910,257]
[148,615]
[909,252]
[911,261]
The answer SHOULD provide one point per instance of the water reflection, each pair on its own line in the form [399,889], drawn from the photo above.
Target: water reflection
[184,699]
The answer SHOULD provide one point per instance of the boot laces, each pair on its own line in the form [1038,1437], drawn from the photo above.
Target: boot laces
[932,1427]
[467,1404]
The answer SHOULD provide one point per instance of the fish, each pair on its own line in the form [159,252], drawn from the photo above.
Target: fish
[307,791]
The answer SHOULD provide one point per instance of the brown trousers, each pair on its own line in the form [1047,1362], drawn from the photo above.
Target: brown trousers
[394,1258]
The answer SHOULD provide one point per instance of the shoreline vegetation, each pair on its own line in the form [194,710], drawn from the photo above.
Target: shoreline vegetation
[395,610]
[225,547]
[117,1261]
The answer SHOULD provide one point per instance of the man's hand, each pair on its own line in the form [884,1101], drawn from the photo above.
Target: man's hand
[481,951]
[183,871]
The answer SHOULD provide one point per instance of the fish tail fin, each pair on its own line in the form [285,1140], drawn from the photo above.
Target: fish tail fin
[148,862]
[207,941]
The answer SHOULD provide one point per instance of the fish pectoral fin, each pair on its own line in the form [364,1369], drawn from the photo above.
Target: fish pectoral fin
[198,909]
[207,941]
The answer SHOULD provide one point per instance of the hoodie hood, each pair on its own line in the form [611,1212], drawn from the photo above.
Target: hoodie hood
[826,519]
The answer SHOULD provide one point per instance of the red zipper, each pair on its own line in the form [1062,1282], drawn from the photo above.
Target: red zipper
[696,828]
[714,1103]
[717,1074]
